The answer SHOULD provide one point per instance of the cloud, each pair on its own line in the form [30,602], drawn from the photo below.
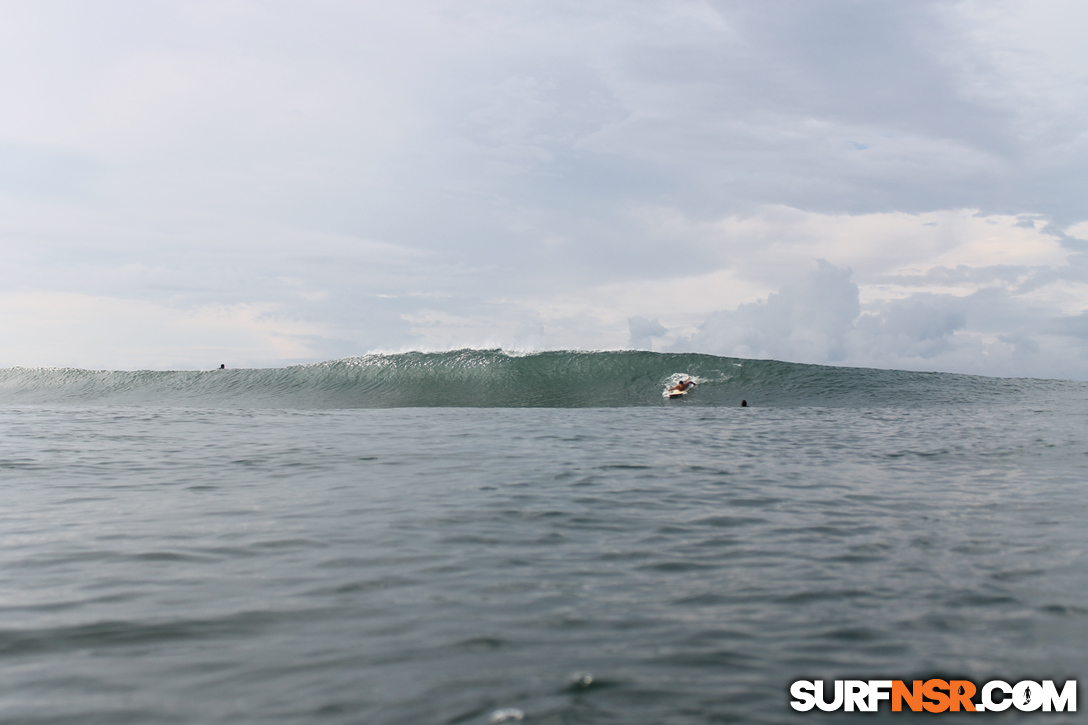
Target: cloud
[808,321]
[28,170]
[921,326]
[994,330]
[643,331]
[1073,326]
[100,332]
[890,298]
[540,174]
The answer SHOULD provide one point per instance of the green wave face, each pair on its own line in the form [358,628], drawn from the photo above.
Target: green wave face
[493,378]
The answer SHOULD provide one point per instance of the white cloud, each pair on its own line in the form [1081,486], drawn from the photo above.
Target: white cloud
[808,322]
[1078,230]
[63,329]
[994,330]
[890,243]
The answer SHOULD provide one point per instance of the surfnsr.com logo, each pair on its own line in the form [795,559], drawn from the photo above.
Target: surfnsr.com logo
[935,696]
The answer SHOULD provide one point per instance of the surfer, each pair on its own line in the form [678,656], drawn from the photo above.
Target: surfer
[744,403]
[682,386]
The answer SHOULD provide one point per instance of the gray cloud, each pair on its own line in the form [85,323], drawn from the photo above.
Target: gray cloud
[819,320]
[1074,326]
[808,322]
[643,331]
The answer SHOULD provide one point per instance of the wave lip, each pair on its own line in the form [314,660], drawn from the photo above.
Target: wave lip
[495,378]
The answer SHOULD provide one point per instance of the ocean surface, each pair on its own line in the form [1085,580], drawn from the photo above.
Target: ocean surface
[479,537]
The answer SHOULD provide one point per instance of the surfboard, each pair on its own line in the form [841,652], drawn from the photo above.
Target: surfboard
[670,393]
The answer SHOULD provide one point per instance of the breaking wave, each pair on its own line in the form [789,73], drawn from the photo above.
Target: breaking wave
[495,378]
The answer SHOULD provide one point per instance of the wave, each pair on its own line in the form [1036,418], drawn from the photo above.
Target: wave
[495,378]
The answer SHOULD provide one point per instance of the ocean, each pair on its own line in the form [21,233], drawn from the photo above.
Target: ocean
[481,537]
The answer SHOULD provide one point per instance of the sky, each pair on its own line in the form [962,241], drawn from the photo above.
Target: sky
[847,182]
